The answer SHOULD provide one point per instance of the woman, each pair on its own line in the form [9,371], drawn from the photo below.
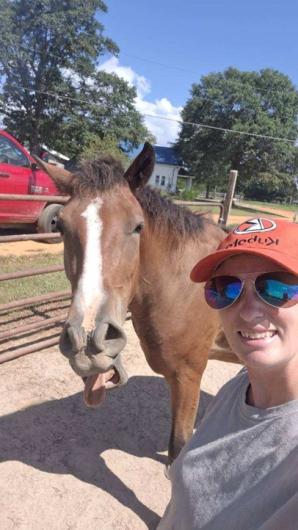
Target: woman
[240,469]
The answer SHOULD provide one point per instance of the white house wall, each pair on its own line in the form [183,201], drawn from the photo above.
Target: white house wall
[167,180]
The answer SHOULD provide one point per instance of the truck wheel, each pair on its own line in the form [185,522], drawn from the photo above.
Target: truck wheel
[48,221]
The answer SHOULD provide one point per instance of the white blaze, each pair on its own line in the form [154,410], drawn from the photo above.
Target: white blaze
[90,294]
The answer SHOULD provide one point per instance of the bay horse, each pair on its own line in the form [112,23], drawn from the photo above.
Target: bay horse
[127,247]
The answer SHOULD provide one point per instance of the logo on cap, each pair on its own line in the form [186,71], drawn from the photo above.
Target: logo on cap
[260,224]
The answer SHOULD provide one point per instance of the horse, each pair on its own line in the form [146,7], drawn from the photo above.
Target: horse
[126,247]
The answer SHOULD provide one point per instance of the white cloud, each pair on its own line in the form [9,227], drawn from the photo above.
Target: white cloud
[164,130]
[126,72]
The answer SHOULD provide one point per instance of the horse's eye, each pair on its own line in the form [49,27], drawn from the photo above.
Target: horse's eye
[138,229]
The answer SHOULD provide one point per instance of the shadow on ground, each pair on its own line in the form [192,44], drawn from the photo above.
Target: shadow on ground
[63,436]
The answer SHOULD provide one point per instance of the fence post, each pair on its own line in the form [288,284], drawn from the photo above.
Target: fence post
[229,195]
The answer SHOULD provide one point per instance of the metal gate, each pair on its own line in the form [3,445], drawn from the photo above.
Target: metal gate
[41,319]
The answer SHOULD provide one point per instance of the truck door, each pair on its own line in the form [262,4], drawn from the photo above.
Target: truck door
[16,177]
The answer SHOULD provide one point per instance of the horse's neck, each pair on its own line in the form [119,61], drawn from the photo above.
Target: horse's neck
[164,261]
[164,292]
[167,260]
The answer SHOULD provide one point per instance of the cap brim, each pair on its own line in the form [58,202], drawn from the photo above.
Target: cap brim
[204,269]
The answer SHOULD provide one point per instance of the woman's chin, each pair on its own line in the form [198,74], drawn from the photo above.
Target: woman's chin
[261,352]
[262,358]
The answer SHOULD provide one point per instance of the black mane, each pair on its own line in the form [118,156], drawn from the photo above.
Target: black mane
[103,173]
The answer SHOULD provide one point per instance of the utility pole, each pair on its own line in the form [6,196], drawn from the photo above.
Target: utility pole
[229,195]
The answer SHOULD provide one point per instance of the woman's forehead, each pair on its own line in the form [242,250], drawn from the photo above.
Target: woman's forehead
[245,263]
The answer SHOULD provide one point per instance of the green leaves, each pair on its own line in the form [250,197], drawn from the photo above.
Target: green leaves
[102,146]
[264,103]
[52,91]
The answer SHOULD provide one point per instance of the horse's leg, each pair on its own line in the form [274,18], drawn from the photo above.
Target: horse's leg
[185,389]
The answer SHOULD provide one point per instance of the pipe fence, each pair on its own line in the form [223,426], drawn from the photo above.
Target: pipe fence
[42,323]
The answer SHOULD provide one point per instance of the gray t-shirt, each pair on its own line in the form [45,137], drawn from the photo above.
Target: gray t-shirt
[240,469]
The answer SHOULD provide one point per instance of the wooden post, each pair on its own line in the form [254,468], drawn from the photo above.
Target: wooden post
[229,195]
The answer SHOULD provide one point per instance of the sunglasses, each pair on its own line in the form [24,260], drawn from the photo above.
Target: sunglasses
[278,289]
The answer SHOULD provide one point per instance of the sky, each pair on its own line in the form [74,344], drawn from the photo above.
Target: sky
[166,46]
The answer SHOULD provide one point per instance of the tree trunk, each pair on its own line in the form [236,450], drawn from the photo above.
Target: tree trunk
[207,190]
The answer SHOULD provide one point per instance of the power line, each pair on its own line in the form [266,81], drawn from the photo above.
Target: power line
[181,122]
[164,65]
[223,129]
[144,59]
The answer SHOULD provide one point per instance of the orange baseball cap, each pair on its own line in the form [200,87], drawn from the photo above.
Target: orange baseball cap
[275,239]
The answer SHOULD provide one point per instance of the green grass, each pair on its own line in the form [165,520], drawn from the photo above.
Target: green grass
[31,286]
[253,209]
[273,205]
[234,211]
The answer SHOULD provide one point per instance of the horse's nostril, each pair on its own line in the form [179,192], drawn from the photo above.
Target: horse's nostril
[110,338]
[113,333]
[76,336]
[115,340]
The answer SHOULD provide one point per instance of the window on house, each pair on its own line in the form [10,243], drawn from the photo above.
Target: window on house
[157,179]
[163,181]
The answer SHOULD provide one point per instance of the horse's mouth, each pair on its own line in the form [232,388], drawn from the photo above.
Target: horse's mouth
[97,384]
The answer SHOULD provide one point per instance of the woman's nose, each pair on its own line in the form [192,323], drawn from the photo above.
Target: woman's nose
[250,305]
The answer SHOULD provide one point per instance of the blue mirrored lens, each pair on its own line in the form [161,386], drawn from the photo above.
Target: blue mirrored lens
[278,289]
[222,291]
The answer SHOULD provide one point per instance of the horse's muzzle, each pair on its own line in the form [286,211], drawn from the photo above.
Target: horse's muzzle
[95,352]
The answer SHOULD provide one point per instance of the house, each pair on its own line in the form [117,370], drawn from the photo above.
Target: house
[166,168]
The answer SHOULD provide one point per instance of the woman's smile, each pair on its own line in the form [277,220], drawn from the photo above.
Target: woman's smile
[257,338]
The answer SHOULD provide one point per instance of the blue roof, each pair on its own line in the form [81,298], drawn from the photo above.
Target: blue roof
[163,155]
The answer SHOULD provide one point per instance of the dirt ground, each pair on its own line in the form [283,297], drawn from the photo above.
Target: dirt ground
[26,248]
[64,466]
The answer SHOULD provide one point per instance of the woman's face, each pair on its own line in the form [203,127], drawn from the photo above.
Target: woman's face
[261,335]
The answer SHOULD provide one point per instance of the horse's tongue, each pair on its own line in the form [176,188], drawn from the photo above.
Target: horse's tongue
[94,391]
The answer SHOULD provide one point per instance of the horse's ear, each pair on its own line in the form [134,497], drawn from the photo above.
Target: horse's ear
[62,178]
[139,172]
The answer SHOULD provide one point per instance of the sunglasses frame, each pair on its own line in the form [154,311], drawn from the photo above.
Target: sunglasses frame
[253,280]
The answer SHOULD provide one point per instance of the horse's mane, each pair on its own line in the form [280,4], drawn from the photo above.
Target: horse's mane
[103,173]
[163,214]
[100,174]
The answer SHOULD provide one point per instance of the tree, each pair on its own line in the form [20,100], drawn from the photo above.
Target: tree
[49,51]
[107,145]
[104,105]
[271,187]
[264,103]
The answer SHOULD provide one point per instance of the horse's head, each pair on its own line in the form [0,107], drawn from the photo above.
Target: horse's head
[101,226]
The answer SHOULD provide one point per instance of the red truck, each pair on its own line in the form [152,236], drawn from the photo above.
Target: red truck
[19,174]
